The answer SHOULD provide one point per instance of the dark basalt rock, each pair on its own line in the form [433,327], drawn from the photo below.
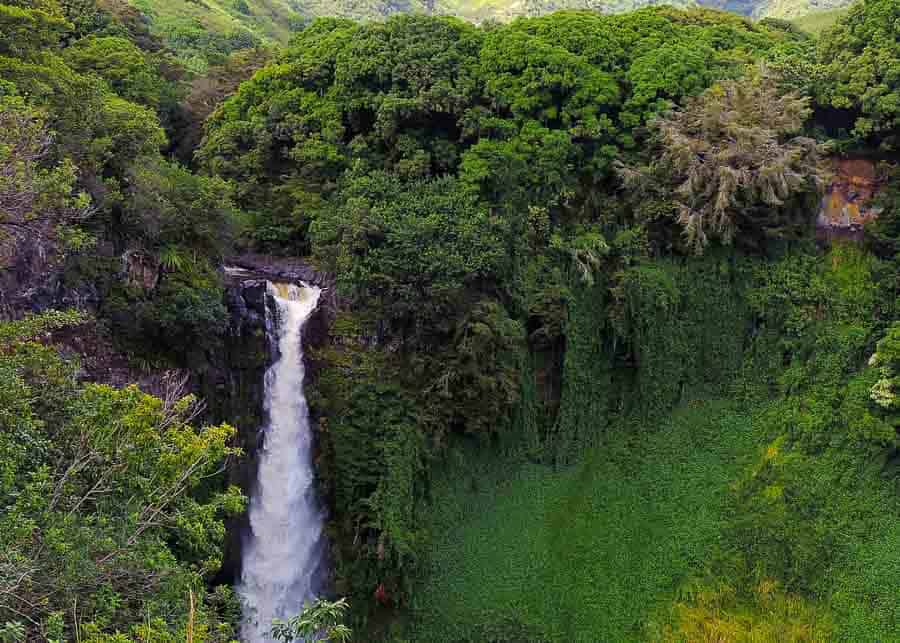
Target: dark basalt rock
[32,280]
[233,386]
[249,273]
[289,269]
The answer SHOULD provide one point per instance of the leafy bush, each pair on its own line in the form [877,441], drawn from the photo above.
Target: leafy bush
[181,321]
[106,517]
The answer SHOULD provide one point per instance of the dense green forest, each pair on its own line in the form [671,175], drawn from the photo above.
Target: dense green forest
[203,31]
[594,372]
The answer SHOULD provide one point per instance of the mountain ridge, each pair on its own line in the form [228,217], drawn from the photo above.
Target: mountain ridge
[187,26]
[478,10]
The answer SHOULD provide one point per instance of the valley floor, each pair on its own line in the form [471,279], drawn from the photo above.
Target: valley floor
[616,548]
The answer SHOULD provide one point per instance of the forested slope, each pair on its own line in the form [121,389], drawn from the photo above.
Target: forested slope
[594,371]
[541,261]
[112,501]
[203,32]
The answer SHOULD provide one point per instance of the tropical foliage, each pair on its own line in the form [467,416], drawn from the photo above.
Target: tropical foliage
[860,60]
[733,161]
[588,376]
[321,620]
[113,501]
[108,522]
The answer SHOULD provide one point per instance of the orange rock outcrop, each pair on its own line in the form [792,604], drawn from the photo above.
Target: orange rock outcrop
[847,204]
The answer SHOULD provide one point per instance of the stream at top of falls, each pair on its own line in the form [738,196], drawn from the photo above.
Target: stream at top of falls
[283,554]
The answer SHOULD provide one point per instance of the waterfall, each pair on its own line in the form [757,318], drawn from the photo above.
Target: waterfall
[283,553]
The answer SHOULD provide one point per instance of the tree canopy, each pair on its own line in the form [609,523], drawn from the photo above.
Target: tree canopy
[734,159]
[860,58]
[544,235]
[104,516]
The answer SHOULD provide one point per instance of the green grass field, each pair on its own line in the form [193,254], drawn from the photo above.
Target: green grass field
[590,554]
[599,552]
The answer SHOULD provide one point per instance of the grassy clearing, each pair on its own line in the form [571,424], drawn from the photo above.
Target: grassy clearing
[589,554]
[620,548]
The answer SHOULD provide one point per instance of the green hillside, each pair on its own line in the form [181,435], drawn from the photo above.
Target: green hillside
[827,11]
[816,23]
[508,9]
[190,26]
[201,30]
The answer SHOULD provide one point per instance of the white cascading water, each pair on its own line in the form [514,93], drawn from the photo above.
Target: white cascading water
[282,555]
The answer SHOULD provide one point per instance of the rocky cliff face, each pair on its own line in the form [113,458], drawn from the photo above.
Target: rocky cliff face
[32,280]
[847,203]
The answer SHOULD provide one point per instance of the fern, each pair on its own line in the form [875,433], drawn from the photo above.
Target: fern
[172,259]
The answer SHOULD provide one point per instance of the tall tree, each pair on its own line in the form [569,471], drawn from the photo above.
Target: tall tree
[736,161]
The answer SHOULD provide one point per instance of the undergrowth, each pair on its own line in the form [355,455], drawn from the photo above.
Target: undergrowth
[588,553]
[764,507]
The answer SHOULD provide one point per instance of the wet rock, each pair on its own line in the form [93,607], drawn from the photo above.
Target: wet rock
[233,383]
[289,269]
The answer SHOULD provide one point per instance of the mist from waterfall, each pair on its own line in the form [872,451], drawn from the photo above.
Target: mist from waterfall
[282,555]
